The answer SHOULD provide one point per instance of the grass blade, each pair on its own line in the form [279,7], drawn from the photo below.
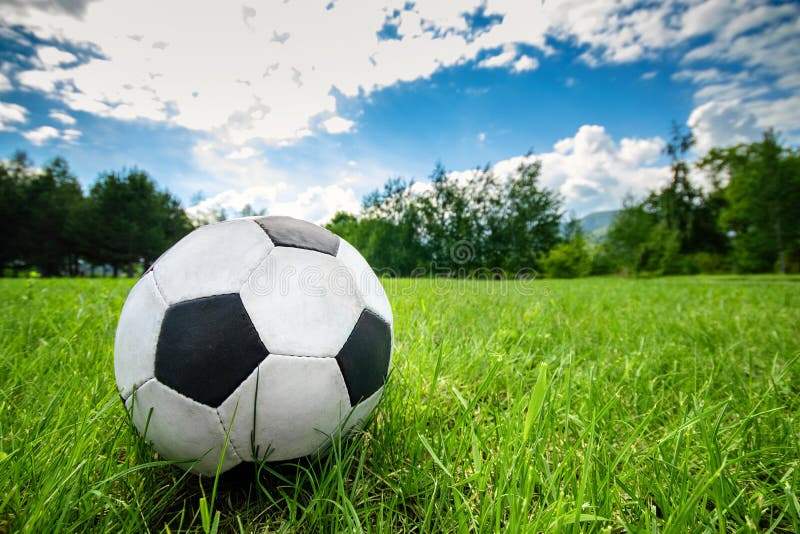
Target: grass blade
[536,402]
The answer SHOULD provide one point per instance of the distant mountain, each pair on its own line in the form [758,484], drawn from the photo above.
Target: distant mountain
[595,225]
[597,220]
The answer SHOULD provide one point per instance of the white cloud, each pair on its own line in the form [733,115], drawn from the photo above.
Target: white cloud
[253,181]
[282,63]
[337,125]
[5,83]
[641,151]
[237,173]
[316,203]
[649,75]
[70,135]
[590,170]
[245,152]
[42,134]
[482,137]
[737,105]
[258,86]
[593,172]
[63,118]
[737,115]
[50,56]
[722,123]
[319,203]
[11,113]
[698,76]
[525,63]
[507,58]
[420,188]
[233,201]
[502,59]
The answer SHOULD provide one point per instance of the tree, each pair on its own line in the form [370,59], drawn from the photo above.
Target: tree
[532,219]
[249,211]
[627,238]
[38,206]
[684,208]
[761,194]
[458,225]
[448,223]
[671,228]
[388,232]
[129,221]
[52,197]
[14,173]
[571,258]
[481,221]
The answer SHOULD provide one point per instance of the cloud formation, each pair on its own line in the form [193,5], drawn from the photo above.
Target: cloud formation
[510,58]
[591,171]
[736,104]
[316,203]
[73,8]
[245,177]
[43,134]
[723,123]
[337,125]
[50,57]
[63,118]
[283,66]
[11,114]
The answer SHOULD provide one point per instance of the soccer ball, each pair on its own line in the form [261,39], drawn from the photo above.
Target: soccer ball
[272,331]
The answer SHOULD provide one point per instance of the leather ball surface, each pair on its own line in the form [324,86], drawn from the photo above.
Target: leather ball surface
[271,330]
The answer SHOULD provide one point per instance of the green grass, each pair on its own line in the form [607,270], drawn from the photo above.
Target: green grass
[668,405]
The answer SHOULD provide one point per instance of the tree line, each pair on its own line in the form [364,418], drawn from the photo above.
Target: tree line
[49,226]
[466,224]
[478,224]
[745,220]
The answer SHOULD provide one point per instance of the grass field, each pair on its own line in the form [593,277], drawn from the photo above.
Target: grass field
[668,405]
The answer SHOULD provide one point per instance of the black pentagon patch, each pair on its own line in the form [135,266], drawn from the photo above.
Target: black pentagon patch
[289,232]
[207,347]
[364,358]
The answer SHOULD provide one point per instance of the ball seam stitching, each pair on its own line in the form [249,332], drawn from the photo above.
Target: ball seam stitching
[230,436]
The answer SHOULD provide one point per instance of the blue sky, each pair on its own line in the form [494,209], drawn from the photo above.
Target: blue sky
[302,109]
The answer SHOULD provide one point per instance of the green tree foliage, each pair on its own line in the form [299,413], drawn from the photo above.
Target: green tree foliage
[387,232]
[129,221]
[760,184]
[249,211]
[38,206]
[686,211]
[449,224]
[48,224]
[571,258]
[390,229]
[459,225]
[667,231]
[14,175]
[52,198]
[629,234]
[528,220]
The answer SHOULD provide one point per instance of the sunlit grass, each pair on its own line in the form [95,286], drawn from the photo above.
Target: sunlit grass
[645,405]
